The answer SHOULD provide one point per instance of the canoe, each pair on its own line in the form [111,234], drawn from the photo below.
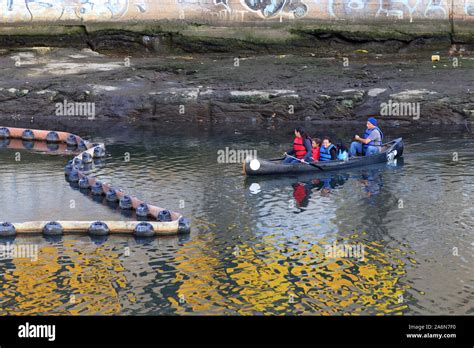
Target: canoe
[389,152]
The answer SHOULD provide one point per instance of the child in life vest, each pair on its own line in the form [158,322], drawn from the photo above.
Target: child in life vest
[316,149]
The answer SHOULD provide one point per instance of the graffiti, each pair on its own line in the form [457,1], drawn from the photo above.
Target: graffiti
[142,7]
[228,15]
[347,7]
[399,13]
[435,7]
[43,6]
[222,2]
[113,9]
[468,8]
[399,9]
[230,10]
[71,9]
[271,8]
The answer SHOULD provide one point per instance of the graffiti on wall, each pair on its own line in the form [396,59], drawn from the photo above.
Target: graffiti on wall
[399,9]
[71,9]
[469,7]
[228,10]
[271,8]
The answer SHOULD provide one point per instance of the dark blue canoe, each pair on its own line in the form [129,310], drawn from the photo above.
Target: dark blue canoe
[389,152]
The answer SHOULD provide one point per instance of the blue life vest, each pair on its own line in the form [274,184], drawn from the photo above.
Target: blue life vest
[325,153]
[366,135]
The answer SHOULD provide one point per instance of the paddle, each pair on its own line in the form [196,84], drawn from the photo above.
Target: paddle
[311,164]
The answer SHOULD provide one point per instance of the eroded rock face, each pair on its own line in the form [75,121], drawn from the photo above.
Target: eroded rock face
[212,88]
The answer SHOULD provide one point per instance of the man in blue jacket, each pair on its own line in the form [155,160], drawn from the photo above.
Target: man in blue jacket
[370,143]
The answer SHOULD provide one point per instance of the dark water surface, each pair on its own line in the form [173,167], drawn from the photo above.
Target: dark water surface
[257,246]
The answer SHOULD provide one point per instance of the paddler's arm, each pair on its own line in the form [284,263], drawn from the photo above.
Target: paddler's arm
[309,150]
[362,140]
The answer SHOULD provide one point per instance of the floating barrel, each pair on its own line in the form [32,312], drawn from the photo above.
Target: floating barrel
[28,144]
[73,176]
[99,228]
[4,133]
[111,195]
[87,158]
[7,229]
[52,146]
[97,189]
[142,210]
[52,137]
[53,229]
[144,229]
[77,162]
[126,202]
[164,216]
[98,240]
[84,183]
[184,226]
[82,146]
[99,152]
[68,167]
[74,171]
[4,142]
[28,135]
[71,140]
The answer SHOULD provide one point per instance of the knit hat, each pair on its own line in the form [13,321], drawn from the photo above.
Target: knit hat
[373,120]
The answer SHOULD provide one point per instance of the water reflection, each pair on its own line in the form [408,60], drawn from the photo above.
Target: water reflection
[302,191]
[277,276]
[257,246]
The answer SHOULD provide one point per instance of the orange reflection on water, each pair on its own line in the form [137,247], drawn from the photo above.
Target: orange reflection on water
[63,282]
[274,277]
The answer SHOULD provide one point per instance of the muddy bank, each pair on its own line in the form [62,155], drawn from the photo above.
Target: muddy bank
[237,37]
[312,87]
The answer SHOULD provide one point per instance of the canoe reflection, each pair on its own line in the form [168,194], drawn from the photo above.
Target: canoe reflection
[302,191]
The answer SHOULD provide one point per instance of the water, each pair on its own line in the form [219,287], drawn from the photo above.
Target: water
[257,246]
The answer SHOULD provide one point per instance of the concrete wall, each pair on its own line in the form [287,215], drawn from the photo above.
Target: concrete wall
[91,11]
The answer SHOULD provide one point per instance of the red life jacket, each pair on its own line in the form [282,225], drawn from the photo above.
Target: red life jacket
[316,151]
[298,147]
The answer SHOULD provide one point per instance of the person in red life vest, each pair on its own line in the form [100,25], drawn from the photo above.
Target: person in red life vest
[328,150]
[302,148]
[316,149]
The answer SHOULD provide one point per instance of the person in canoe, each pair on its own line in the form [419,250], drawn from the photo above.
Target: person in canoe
[316,142]
[302,148]
[328,150]
[370,143]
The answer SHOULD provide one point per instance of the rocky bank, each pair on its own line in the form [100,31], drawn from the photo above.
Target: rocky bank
[331,86]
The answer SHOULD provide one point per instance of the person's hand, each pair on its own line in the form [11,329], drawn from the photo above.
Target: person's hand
[357,137]
[303,161]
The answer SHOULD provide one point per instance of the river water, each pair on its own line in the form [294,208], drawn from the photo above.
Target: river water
[257,246]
